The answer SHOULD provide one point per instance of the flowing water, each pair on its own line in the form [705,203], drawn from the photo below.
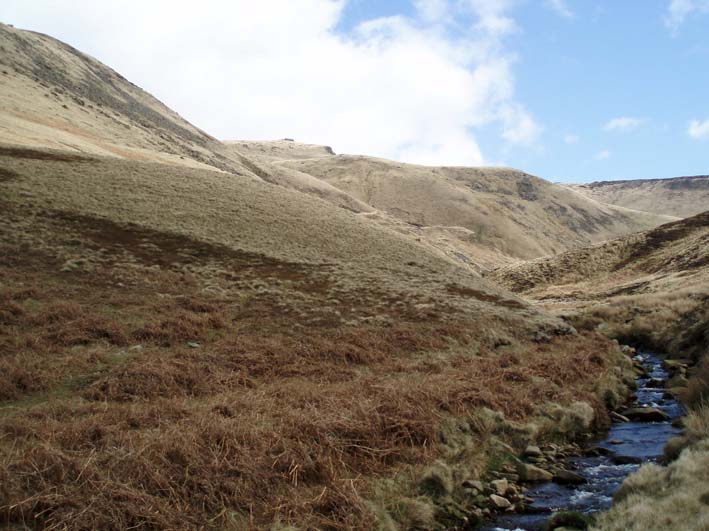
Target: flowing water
[641,440]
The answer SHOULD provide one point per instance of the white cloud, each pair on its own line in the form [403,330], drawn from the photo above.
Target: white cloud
[571,139]
[432,10]
[493,16]
[399,87]
[679,10]
[699,130]
[560,7]
[624,124]
[603,154]
[519,126]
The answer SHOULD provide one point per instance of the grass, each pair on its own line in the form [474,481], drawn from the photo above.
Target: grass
[303,396]
[664,498]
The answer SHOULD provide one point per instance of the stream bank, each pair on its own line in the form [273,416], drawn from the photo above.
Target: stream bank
[602,466]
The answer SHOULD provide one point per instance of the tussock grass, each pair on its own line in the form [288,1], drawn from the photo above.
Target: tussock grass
[664,498]
[174,378]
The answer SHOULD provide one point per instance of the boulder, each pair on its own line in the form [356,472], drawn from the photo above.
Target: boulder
[626,460]
[532,451]
[596,451]
[500,502]
[646,414]
[566,477]
[500,486]
[528,472]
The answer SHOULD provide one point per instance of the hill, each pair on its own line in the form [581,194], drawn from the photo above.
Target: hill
[485,211]
[678,196]
[59,98]
[196,338]
[649,288]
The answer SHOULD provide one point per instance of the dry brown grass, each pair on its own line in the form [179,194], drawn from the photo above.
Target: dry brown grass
[264,421]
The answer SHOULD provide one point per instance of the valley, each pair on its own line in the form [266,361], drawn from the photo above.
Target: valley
[269,335]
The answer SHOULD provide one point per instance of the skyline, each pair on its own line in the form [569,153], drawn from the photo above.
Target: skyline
[572,91]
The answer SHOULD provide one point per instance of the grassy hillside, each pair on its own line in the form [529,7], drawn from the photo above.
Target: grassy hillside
[680,196]
[185,348]
[56,97]
[650,288]
[195,337]
[483,210]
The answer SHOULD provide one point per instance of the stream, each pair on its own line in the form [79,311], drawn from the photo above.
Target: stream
[625,442]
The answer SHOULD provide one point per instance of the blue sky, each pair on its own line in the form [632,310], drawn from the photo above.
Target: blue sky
[576,72]
[570,90]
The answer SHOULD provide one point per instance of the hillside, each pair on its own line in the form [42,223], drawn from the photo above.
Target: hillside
[483,210]
[679,196]
[651,287]
[191,339]
[56,97]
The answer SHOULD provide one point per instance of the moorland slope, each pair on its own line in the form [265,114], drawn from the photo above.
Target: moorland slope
[484,210]
[679,196]
[650,288]
[185,344]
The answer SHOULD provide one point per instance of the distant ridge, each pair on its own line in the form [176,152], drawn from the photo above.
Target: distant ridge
[675,196]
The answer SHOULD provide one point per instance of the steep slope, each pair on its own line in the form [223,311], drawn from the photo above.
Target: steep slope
[184,345]
[54,96]
[650,288]
[678,247]
[58,97]
[507,211]
[679,196]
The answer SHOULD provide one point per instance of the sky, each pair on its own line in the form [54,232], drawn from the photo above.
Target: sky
[570,90]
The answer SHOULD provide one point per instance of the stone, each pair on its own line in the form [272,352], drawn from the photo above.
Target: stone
[566,477]
[626,460]
[532,451]
[500,502]
[627,349]
[646,414]
[655,383]
[193,344]
[596,451]
[500,486]
[529,472]
[474,484]
[617,417]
